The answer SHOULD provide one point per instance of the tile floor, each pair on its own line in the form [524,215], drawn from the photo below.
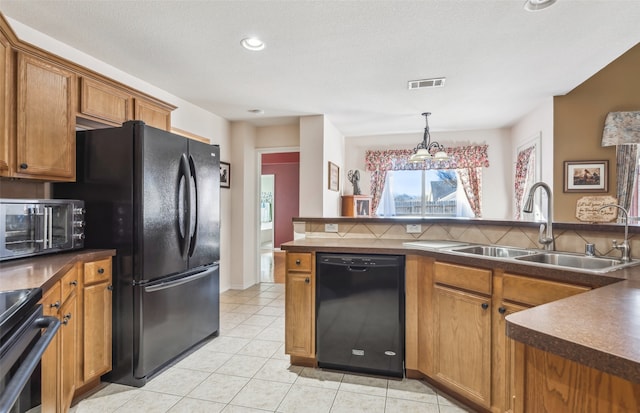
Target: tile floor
[245,370]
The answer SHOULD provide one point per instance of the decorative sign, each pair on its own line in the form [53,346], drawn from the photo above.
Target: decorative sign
[588,209]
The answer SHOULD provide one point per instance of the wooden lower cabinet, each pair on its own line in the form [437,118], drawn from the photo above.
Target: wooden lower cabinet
[554,384]
[81,350]
[300,305]
[59,360]
[462,343]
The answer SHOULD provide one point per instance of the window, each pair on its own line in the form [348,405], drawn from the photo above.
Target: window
[429,193]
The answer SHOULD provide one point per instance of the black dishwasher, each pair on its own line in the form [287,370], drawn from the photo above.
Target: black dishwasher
[360,313]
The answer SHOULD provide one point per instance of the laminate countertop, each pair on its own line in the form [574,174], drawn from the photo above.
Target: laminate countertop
[598,328]
[43,271]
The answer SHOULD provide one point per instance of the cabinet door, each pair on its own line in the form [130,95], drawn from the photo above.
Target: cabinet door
[50,369]
[462,343]
[68,351]
[97,330]
[6,93]
[103,103]
[299,315]
[45,133]
[152,115]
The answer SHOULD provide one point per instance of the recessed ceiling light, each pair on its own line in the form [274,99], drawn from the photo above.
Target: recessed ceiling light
[256,111]
[535,5]
[252,43]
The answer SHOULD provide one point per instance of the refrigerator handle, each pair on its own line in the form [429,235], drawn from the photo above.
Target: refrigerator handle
[186,205]
[193,206]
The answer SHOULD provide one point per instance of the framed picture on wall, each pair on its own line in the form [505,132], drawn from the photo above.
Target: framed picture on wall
[225,175]
[586,176]
[334,177]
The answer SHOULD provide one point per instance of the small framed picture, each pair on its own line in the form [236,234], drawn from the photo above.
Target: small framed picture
[334,177]
[586,176]
[225,175]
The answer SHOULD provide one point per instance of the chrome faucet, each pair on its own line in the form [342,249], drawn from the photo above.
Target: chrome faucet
[625,248]
[547,240]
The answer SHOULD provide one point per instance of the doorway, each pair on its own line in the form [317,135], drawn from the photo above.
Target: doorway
[278,205]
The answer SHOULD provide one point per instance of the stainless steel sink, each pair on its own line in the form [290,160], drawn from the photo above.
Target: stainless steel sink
[495,251]
[597,264]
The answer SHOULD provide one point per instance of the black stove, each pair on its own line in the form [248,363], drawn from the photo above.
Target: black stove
[15,305]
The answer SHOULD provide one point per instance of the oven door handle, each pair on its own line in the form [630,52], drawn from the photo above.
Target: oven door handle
[23,374]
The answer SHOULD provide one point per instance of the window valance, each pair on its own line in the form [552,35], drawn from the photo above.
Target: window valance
[472,156]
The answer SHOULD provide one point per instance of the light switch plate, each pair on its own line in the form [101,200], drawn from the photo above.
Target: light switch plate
[330,227]
[414,229]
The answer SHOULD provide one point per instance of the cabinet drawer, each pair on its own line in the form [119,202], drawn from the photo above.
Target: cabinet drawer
[468,278]
[69,283]
[298,261]
[527,290]
[51,300]
[97,271]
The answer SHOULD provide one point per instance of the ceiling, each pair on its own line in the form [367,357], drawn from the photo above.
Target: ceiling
[349,60]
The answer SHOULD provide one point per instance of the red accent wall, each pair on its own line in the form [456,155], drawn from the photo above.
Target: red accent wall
[286,168]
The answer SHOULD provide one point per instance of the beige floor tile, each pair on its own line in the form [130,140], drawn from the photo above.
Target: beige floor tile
[227,307]
[280,354]
[219,388]
[259,301]
[261,394]
[272,334]
[411,390]
[226,344]
[243,366]
[307,399]
[260,320]
[187,405]
[405,406]
[234,299]
[278,370]
[270,294]
[373,386]
[177,381]
[108,399]
[203,360]
[247,308]
[347,402]
[149,402]
[274,311]
[241,409]
[260,348]
[245,331]
[278,302]
[319,378]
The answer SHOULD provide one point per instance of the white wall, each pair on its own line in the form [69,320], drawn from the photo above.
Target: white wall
[278,136]
[312,169]
[538,122]
[496,192]
[333,151]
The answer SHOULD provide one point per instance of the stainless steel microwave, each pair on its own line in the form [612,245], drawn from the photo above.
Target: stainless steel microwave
[39,226]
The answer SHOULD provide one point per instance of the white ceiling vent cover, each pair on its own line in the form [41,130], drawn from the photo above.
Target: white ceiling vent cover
[426,83]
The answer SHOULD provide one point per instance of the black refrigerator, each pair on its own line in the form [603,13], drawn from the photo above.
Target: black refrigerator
[154,197]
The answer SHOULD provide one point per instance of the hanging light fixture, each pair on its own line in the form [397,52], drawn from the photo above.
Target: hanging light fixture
[425,149]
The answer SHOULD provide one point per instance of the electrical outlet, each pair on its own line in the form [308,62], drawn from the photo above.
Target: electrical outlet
[414,229]
[330,227]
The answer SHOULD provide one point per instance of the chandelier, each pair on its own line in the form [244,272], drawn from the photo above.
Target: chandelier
[426,149]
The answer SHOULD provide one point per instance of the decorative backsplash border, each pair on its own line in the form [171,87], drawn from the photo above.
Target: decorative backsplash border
[509,234]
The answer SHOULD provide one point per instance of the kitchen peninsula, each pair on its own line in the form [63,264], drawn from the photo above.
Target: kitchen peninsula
[569,347]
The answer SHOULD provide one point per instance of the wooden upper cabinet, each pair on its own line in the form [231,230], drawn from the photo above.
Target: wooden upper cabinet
[104,103]
[152,114]
[45,132]
[6,93]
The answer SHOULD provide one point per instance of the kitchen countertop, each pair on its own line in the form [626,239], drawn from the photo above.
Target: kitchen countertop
[43,271]
[597,328]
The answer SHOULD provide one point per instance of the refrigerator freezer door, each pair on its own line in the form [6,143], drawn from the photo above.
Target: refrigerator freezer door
[174,315]
[204,243]
[161,203]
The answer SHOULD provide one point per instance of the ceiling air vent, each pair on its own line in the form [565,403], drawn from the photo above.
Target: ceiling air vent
[426,83]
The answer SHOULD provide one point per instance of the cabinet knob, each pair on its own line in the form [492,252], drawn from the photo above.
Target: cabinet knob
[110,287]
[307,280]
[23,166]
[297,262]
[56,304]
[502,310]
[100,270]
[66,318]
[485,306]
[74,282]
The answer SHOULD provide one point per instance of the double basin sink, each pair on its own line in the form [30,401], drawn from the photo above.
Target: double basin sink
[555,259]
